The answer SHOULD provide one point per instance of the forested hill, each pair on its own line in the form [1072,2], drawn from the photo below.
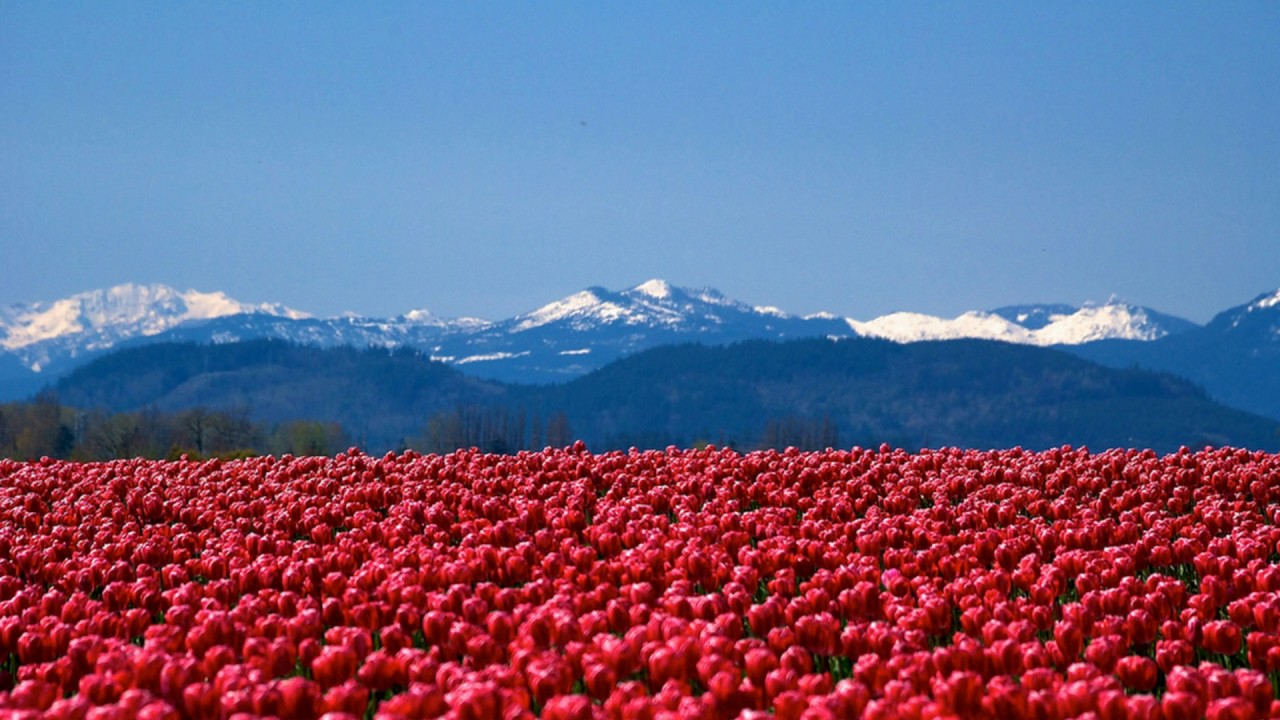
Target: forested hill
[378,396]
[968,393]
[807,393]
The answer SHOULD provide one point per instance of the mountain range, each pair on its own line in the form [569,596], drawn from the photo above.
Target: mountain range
[810,393]
[1233,357]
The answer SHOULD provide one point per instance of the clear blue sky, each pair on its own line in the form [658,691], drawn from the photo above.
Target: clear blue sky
[485,158]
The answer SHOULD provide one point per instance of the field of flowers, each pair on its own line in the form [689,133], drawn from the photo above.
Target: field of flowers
[641,585]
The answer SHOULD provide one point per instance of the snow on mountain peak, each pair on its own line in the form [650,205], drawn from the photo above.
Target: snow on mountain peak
[118,313]
[770,310]
[426,318]
[654,303]
[37,322]
[1261,309]
[1034,317]
[1113,320]
[1028,325]
[711,296]
[655,288]
[1265,301]
[48,335]
[205,306]
[419,316]
[913,327]
[586,302]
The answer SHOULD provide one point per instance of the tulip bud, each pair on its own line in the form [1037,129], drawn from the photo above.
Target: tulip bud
[1137,672]
[567,707]
[1222,637]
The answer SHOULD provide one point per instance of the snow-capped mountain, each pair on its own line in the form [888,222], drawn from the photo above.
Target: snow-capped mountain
[653,303]
[593,327]
[555,342]
[650,303]
[1042,325]
[1234,356]
[416,329]
[1259,318]
[39,333]
[1034,317]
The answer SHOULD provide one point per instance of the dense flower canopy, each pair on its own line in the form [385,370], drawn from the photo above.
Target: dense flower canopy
[639,585]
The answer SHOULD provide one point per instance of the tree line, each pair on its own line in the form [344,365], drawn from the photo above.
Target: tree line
[44,427]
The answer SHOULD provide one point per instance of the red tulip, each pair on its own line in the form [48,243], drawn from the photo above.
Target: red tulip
[1230,709]
[1255,688]
[1070,639]
[1137,672]
[1173,653]
[567,707]
[299,698]
[497,585]
[349,697]
[759,663]
[1104,651]
[382,671]
[1222,637]
[334,665]
[200,700]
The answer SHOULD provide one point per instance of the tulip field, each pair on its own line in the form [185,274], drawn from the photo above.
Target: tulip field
[648,585]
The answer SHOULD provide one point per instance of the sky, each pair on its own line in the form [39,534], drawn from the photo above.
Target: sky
[484,159]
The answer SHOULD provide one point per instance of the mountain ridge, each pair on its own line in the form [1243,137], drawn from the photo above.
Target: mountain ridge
[812,392]
[54,336]
[1233,356]
[99,319]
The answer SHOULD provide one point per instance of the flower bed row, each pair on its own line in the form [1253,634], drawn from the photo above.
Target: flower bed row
[644,585]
